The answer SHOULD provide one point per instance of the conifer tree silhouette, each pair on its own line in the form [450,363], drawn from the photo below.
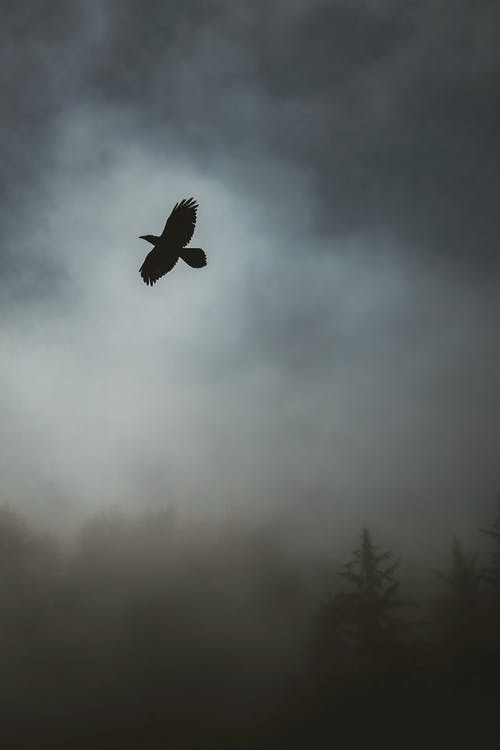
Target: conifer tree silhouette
[459,612]
[463,577]
[362,624]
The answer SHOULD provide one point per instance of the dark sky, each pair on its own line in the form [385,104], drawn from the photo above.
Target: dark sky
[337,363]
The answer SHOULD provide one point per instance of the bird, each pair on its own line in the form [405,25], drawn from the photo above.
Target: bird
[171,244]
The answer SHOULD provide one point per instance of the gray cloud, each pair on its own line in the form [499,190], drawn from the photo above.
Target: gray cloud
[338,356]
[391,108]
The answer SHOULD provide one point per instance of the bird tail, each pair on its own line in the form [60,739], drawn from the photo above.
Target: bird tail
[194,257]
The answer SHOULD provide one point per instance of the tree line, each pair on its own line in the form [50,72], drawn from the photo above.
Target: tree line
[156,632]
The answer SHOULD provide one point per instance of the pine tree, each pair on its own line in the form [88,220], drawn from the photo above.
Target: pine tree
[459,612]
[368,572]
[372,603]
[463,577]
[362,623]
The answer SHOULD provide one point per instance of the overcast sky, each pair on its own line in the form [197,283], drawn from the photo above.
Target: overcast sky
[337,362]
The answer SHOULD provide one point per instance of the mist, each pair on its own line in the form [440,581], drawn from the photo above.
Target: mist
[334,367]
[299,374]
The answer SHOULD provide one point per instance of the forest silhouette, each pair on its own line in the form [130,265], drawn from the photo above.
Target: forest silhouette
[153,631]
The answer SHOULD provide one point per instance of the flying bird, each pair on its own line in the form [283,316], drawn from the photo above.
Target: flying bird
[171,244]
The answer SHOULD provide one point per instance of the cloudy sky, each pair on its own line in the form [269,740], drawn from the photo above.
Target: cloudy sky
[337,362]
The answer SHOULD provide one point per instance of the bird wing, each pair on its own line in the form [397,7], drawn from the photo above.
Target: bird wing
[194,257]
[157,265]
[180,224]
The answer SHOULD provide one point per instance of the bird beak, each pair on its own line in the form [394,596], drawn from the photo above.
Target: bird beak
[142,237]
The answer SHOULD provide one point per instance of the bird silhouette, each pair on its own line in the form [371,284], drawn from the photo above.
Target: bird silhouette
[171,244]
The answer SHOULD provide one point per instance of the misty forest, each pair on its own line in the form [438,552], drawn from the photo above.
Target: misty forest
[249,374]
[153,632]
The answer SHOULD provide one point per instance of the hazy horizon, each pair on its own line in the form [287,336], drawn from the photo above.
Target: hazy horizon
[336,364]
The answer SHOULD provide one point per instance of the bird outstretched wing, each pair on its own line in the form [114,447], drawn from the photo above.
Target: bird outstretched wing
[180,224]
[157,265]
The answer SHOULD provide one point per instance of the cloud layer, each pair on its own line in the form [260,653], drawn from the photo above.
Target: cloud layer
[337,359]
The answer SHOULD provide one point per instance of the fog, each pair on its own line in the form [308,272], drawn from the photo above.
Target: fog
[296,376]
[335,366]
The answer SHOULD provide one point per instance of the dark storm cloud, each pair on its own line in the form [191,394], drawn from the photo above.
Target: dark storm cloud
[45,49]
[391,107]
[344,155]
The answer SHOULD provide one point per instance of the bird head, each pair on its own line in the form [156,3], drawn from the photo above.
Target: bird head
[149,238]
